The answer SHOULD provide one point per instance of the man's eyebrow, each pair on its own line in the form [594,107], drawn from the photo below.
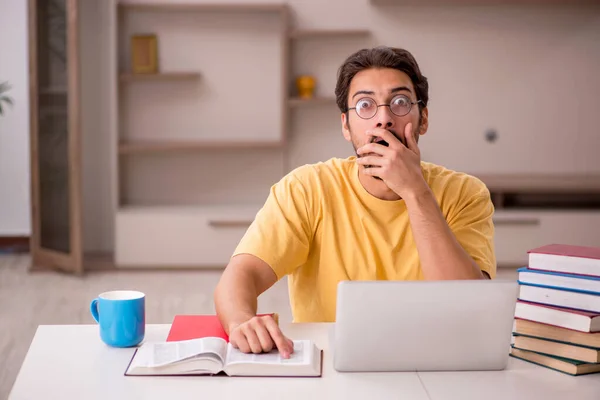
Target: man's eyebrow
[399,89]
[394,90]
[363,92]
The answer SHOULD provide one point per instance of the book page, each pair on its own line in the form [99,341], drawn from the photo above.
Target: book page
[299,356]
[160,354]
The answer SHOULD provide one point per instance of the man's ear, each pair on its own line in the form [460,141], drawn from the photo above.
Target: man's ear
[345,128]
[424,121]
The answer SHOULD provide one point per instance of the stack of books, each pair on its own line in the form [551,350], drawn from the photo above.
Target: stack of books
[557,315]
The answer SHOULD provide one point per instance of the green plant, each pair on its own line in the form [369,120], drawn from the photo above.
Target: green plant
[4,87]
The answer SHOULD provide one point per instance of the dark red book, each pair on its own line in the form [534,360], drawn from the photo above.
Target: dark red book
[569,250]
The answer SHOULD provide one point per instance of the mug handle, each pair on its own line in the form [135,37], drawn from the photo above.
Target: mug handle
[94,310]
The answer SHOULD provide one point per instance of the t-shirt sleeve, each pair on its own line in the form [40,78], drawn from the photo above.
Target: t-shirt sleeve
[282,231]
[473,227]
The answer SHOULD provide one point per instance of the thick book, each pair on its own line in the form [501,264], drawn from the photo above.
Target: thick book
[559,280]
[565,365]
[564,335]
[560,298]
[554,348]
[214,356]
[566,258]
[582,321]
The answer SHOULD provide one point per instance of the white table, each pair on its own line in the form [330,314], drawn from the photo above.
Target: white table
[71,362]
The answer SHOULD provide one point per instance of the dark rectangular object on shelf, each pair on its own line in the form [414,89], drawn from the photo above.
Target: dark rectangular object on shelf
[547,200]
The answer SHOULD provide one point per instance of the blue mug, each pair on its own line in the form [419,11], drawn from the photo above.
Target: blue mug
[121,315]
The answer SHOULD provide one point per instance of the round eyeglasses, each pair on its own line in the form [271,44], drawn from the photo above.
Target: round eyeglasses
[366,107]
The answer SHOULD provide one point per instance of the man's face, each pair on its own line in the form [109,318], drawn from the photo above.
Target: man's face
[372,87]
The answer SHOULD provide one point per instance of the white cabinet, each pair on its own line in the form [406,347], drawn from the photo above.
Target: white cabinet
[170,237]
[207,236]
[520,231]
[217,127]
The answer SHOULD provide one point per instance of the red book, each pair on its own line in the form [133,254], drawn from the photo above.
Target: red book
[186,327]
[578,260]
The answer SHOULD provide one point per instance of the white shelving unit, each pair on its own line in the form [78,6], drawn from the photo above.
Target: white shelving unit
[200,143]
[197,147]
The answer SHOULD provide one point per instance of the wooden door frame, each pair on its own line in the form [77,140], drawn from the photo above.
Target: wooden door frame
[45,258]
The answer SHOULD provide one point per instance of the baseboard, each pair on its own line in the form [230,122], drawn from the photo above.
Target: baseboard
[14,244]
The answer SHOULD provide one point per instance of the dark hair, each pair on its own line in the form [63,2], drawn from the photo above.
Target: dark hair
[380,57]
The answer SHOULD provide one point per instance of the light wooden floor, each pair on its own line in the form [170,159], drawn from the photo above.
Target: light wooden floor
[31,299]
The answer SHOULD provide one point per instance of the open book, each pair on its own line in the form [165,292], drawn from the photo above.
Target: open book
[213,355]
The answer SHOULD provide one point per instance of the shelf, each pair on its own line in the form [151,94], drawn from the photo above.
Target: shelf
[217,214]
[53,110]
[230,223]
[251,7]
[299,102]
[53,90]
[541,183]
[163,76]
[147,146]
[319,33]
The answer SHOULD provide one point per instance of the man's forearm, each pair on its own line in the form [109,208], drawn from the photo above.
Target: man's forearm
[235,299]
[442,257]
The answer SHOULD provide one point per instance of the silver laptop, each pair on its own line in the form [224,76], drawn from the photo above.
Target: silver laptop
[423,325]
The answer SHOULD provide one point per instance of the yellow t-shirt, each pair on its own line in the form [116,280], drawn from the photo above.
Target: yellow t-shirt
[320,226]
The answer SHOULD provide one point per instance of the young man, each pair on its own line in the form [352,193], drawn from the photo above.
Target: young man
[382,215]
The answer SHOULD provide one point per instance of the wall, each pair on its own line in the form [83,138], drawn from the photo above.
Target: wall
[14,125]
[529,72]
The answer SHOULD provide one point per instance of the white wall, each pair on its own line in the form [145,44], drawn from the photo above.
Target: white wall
[479,61]
[529,72]
[14,125]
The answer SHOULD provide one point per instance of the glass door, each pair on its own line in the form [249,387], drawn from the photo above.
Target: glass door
[55,135]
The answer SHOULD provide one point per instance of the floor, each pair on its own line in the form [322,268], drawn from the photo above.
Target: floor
[31,299]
